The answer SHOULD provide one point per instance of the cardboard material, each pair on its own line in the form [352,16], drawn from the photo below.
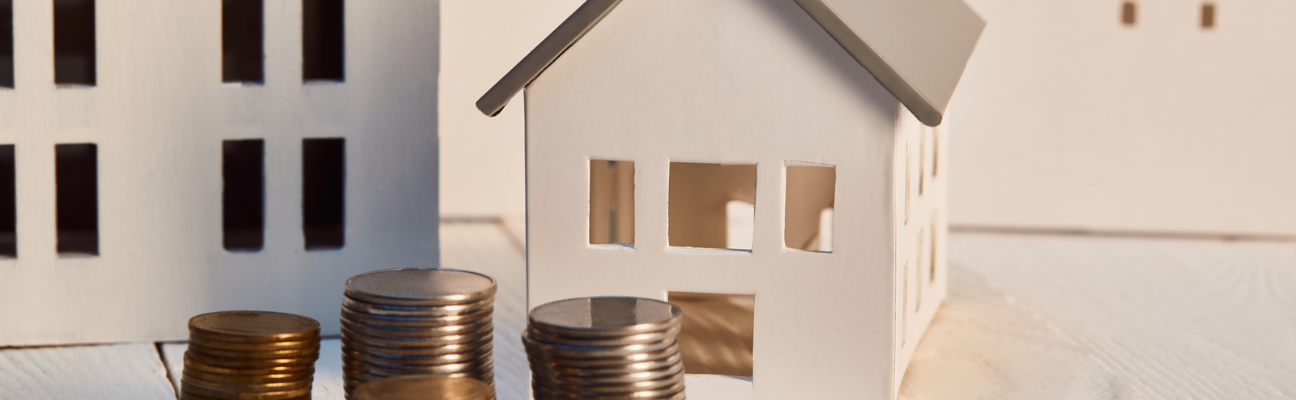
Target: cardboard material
[661,82]
[158,116]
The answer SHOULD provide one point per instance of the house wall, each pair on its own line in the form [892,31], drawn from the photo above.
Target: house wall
[158,115]
[920,190]
[1070,120]
[726,81]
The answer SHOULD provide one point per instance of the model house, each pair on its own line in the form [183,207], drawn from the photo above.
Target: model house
[160,160]
[774,167]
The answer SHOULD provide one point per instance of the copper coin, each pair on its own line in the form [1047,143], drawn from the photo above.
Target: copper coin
[268,346]
[188,379]
[226,395]
[289,353]
[216,369]
[420,286]
[269,378]
[423,388]
[253,326]
[249,363]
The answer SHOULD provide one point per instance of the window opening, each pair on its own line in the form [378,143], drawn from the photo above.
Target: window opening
[1129,13]
[922,159]
[931,275]
[920,264]
[243,196]
[242,41]
[76,173]
[711,205]
[718,331]
[74,42]
[8,203]
[908,177]
[323,40]
[936,145]
[323,193]
[611,202]
[809,197]
[6,44]
[904,311]
[1208,16]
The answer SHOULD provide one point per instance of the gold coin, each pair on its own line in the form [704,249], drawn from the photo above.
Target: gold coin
[227,395]
[188,379]
[250,363]
[253,327]
[216,369]
[265,378]
[419,387]
[287,353]
[312,343]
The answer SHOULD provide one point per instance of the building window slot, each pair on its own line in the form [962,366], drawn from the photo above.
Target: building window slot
[717,337]
[1208,16]
[76,175]
[6,44]
[74,42]
[1129,13]
[711,205]
[808,206]
[611,202]
[324,193]
[243,194]
[8,203]
[323,40]
[242,41]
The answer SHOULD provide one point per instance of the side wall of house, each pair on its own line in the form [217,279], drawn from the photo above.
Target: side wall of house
[158,114]
[731,82]
[920,185]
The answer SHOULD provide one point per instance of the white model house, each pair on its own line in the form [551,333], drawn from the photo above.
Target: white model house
[164,159]
[650,122]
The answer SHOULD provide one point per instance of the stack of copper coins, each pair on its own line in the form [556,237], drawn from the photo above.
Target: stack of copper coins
[417,322]
[423,387]
[605,348]
[250,355]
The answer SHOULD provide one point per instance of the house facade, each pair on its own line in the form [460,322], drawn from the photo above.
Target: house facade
[660,116]
[208,156]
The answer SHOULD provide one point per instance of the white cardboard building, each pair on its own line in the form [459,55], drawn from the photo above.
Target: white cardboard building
[135,241]
[646,119]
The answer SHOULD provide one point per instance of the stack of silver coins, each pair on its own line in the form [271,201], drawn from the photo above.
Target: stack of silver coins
[433,322]
[605,348]
[250,355]
[422,387]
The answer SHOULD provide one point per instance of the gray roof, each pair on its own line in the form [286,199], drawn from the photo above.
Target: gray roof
[916,49]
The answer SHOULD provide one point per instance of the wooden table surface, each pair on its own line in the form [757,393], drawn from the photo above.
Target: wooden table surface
[1028,317]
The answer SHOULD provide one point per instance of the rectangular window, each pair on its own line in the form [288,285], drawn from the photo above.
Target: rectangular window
[243,195]
[1129,13]
[324,193]
[242,41]
[717,337]
[6,44]
[74,42]
[76,175]
[323,40]
[8,203]
[809,195]
[611,202]
[711,205]
[1208,16]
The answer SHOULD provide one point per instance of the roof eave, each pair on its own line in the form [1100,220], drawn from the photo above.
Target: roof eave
[571,30]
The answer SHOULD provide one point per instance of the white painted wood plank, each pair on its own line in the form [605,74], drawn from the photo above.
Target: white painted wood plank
[1032,317]
[125,371]
[173,355]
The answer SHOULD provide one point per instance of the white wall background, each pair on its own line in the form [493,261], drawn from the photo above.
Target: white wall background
[1067,119]
[483,168]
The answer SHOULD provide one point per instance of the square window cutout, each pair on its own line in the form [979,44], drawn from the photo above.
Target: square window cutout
[711,205]
[808,206]
[611,202]
[717,336]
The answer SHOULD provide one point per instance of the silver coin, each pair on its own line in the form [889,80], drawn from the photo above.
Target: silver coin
[418,332]
[453,358]
[417,321]
[415,342]
[424,351]
[648,337]
[453,310]
[420,286]
[542,391]
[607,380]
[581,352]
[604,316]
[604,371]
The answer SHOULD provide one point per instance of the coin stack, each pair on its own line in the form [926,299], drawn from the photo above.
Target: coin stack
[423,387]
[417,322]
[605,348]
[250,355]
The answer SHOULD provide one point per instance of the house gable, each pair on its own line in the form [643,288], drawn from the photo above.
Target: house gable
[916,49]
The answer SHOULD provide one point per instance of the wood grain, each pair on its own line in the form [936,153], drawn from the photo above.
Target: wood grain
[1084,317]
[125,371]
